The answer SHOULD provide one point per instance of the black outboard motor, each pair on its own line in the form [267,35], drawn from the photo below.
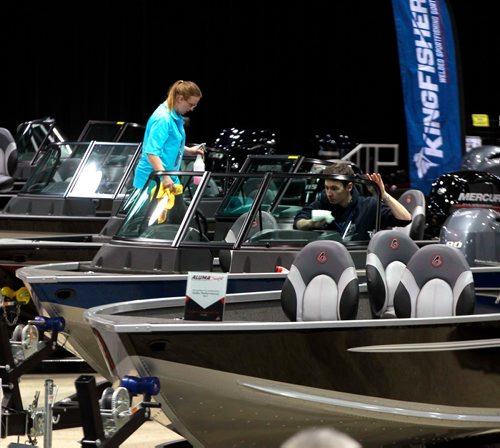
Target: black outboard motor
[476,233]
[460,189]
[483,158]
[329,146]
[232,147]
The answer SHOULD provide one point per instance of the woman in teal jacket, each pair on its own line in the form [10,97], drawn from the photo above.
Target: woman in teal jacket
[165,138]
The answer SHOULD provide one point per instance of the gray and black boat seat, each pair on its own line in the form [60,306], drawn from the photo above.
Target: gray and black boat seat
[322,284]
[387,255]
[262,221]
[437,282]
[414,201]
[8,160]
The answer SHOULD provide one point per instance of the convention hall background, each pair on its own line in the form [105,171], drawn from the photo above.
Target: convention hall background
[294,67]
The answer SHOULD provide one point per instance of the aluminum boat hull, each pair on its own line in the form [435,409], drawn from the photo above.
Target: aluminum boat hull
[70,299]
[256,382]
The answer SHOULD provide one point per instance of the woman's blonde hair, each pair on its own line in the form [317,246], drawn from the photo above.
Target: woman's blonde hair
[185,88]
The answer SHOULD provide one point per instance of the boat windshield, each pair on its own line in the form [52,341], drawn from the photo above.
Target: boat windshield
[260,210]
[157,214]
[104,169]
[55,168]
[297,196]
[242,190]
[112,131]
[31,136]
[88,169]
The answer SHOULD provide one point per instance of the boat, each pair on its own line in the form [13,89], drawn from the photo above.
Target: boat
[68,206]
[253,233]
[273,367]
[148,257]
[72,189]
[32,137]
[19,248]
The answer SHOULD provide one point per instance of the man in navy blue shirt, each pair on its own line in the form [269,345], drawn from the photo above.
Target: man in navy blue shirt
[354,215]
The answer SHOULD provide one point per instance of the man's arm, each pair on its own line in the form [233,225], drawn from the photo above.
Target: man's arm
[304,221]
[309,224]
[398,210]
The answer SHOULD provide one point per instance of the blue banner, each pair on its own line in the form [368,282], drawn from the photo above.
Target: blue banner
[430,88]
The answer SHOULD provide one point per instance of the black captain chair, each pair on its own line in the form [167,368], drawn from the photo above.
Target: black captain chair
[436,282]
[322,284]
[388,253]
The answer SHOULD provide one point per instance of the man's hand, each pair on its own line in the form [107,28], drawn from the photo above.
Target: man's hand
[377,178]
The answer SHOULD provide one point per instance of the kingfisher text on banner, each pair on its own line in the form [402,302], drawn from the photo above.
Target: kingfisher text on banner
[430,89]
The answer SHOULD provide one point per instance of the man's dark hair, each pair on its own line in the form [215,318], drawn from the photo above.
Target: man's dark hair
[339,168]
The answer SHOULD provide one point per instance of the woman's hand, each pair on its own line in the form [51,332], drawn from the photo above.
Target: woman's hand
[195,150]
[168,183]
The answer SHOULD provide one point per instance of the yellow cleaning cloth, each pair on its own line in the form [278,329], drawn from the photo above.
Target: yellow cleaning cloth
[166,200]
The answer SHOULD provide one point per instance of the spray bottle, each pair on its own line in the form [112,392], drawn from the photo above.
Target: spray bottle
[199,165]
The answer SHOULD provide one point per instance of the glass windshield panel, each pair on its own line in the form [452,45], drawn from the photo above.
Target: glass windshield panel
[131,133]
[33,135]
[313,166]
[257,164]
[112,131]
[153,212]
[270,164]
[214,190]
[30,137]
[104,169]
[304,197]
[56,168]
[242,195]
[104,131]
[155,215]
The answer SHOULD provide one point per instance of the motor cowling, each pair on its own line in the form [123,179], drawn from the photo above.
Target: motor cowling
[458,190]
[483,158]
[232,146]
[476,233]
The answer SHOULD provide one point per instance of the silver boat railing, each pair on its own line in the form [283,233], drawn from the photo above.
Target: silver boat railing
[369,157]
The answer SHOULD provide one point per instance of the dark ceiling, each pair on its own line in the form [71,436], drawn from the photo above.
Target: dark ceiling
[295,67]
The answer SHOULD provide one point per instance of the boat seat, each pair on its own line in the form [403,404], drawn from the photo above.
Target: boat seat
[67,169]
[176,214]
[294,193]
[437,282]
[62,177]
[414,202]
[388,253]
[322,284]
[251,187]
[268,222]
[8,160]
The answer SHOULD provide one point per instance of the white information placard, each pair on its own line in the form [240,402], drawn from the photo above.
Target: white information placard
[205,295]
